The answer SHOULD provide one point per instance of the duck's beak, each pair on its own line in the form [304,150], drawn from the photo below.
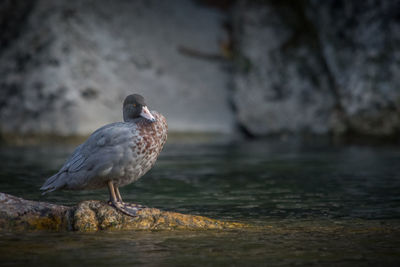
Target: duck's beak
[146,114]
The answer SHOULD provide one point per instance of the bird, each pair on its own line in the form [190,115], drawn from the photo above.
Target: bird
[115,155]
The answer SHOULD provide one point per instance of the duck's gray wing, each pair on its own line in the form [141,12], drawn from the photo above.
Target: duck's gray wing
[55,182]
[99,156]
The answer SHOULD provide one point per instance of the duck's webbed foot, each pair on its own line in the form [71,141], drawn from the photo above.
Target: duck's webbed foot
[127,208]
[116,201]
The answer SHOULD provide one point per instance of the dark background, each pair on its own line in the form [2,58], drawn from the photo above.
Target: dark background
[253,67]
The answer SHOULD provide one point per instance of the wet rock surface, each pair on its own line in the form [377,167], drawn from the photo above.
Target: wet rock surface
[20,214]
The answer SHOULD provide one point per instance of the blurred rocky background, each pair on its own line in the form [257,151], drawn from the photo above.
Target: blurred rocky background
[247,66]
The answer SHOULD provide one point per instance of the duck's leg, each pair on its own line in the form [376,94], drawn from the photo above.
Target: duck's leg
[118,194]
[119,205]
[119,198]
[111,191]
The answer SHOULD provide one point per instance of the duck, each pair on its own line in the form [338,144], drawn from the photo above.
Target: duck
[115,155]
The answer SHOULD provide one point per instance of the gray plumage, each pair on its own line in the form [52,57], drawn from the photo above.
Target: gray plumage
[115,155]
[121,152]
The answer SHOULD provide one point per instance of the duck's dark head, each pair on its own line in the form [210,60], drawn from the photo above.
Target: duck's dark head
[135,107]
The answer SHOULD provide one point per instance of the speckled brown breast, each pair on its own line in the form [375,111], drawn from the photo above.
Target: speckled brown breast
[154,135]
[149,140]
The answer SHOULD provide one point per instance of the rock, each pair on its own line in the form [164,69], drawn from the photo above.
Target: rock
[280,83]
[317,66]
[360,45]
[19,214]
[72,63]
[311,66]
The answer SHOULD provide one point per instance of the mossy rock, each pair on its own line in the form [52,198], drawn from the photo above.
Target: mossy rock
[88,216]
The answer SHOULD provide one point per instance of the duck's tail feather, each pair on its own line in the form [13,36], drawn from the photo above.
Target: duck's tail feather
[53,183]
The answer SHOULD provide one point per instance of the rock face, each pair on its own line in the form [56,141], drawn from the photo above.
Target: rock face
[279,85]
[318,66]
[72,63]
[359,43]
[310,66]
[19,214]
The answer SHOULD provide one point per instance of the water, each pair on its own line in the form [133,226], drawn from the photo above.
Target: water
[315,203]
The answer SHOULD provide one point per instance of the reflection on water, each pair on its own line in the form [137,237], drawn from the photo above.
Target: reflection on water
[318,203]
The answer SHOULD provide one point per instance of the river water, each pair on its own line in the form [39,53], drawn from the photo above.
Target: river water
[315,203]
